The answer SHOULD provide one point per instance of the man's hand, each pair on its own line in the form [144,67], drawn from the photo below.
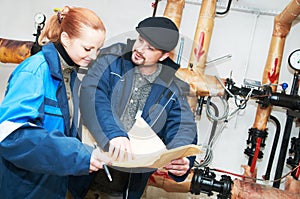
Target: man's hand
[120,149]
[98,159]
[179,166]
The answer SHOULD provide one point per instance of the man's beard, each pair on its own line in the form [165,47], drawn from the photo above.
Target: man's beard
[137,58]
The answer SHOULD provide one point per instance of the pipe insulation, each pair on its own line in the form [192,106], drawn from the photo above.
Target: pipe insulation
[282,26]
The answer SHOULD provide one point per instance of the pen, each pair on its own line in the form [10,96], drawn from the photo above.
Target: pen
[105,167]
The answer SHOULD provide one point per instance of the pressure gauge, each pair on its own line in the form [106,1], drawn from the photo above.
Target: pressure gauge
[39,18]
[294,60]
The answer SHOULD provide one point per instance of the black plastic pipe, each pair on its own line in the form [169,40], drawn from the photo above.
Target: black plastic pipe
[274,146]
[286,135]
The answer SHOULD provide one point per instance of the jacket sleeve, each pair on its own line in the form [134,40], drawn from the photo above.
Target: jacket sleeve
[27,144]
[95,103]
[180,125]
[37,150]
[180,129]
[22,101]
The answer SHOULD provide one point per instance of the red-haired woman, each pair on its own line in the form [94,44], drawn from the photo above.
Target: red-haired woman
[39,148]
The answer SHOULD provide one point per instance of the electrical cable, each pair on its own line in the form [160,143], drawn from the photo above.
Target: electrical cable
[213,117]
[212,142]
[208,148]
[226,114]
[225,117]
[215,123]
[207,158]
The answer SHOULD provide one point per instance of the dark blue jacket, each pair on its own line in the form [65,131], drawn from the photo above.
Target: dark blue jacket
[38,149]
[105,93]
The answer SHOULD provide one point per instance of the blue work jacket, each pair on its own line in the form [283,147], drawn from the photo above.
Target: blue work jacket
[106,91]
[38,149]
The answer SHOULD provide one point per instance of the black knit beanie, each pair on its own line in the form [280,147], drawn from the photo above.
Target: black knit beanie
[160,32]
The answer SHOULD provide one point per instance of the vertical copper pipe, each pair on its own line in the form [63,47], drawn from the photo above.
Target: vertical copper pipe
[199,82]
[173,11]
[202,35]
[282,25]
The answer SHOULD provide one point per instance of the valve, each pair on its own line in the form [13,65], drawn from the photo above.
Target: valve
[204,181]
[251,142]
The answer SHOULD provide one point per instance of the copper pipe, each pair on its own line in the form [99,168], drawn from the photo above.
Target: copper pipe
[173,11]
[203,35]
[244,189]
[14,51]
[282,26]
[200,84]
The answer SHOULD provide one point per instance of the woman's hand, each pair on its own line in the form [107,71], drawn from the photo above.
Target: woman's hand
[98,158]
[120,149]
[179,166]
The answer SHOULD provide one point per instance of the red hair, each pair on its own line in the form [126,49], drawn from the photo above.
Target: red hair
[70,20]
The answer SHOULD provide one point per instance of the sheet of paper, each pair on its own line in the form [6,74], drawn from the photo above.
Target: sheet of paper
[148,149]
[144,141]
[161,159]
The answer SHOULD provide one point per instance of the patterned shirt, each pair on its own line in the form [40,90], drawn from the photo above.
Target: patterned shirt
[139,93]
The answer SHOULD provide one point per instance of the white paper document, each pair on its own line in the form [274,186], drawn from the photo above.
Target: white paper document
[148,149]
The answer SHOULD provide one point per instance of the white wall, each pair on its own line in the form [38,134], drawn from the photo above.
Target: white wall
[245,36]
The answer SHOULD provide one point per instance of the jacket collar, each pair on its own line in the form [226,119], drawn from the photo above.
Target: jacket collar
[63,53]
[52,59]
